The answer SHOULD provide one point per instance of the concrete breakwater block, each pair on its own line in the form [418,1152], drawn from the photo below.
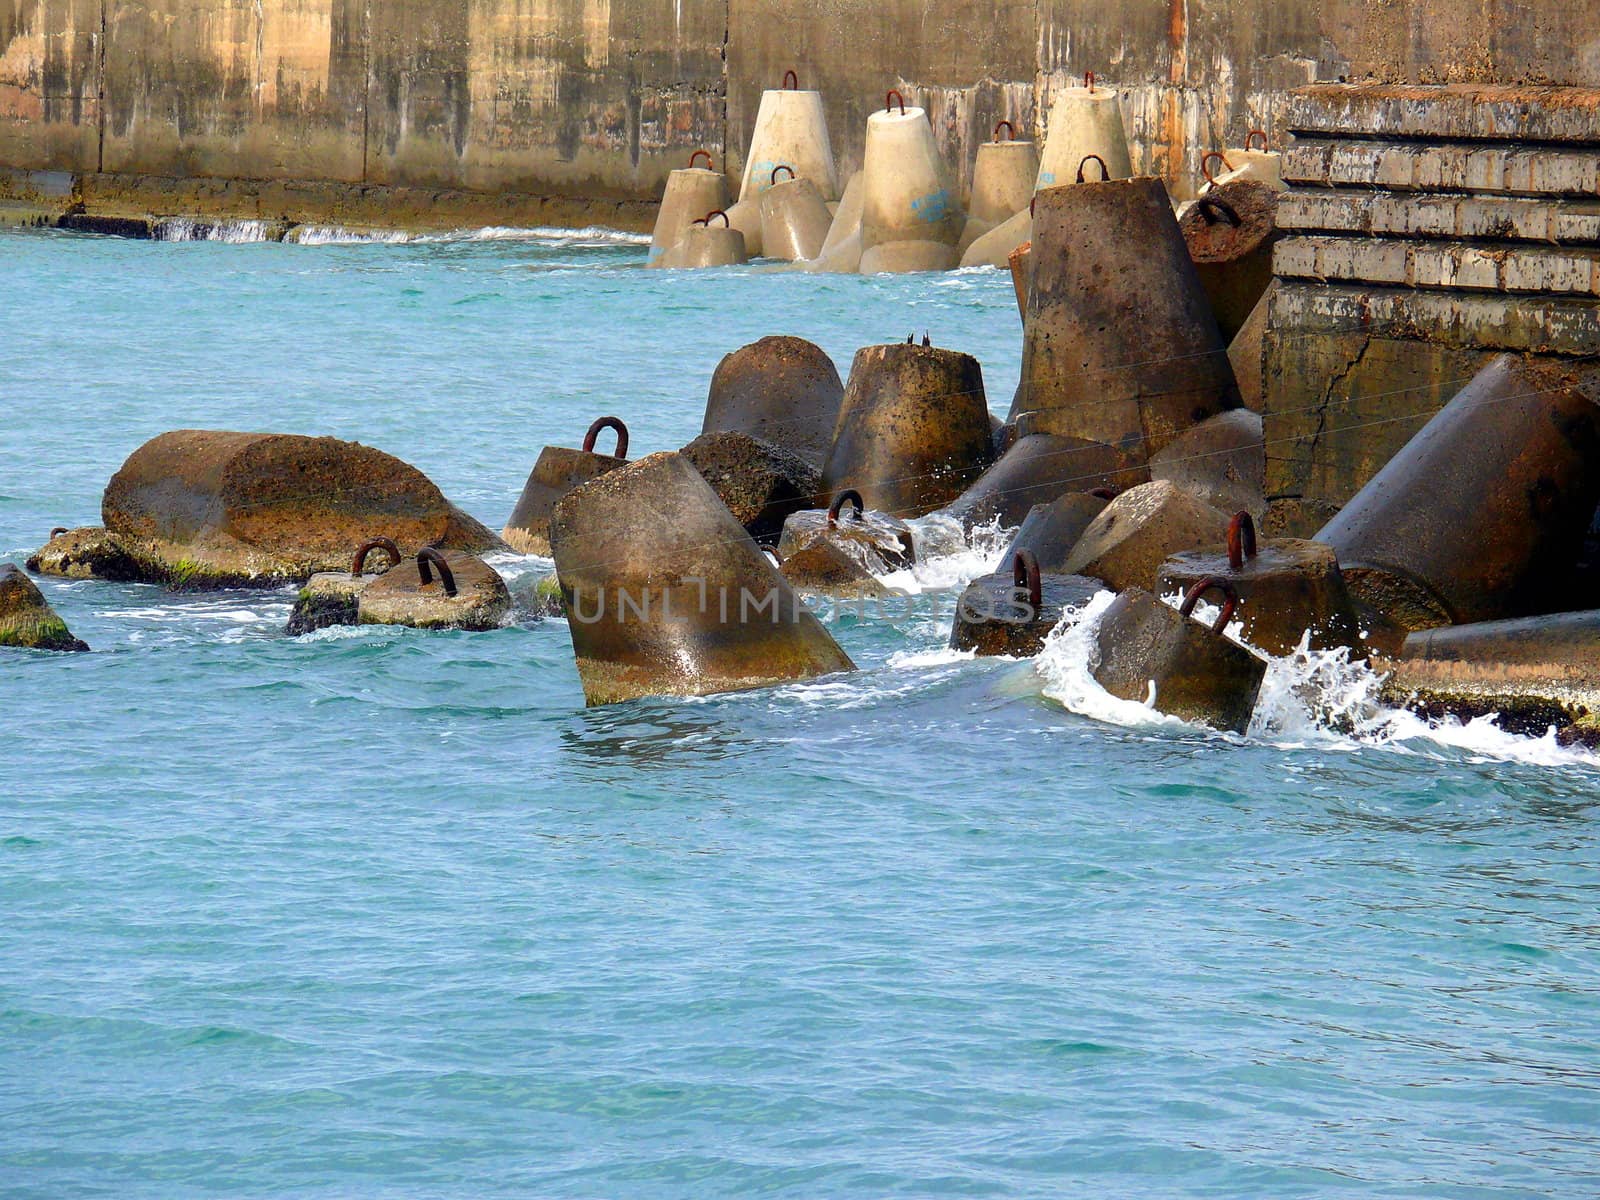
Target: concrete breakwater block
[913,430]
[1230,232]
[791,129]
[1482,514]
[706,243]
[996,245]
[840,551]
[86,553]
[27,621]
[1286,588]
[1126,545]
[1152,653]
[1004,176]
[1530,672]
[1119,344]
[760,483]
[666,593]
[691,192]
[784,390]
[1051,532]
[1222,460]
[1012,612]
[556,471]
[911,217]
[205,508]
[332,597]
[794,219]
[436,590]
[1020,263]
[1037,469]
[1083,121]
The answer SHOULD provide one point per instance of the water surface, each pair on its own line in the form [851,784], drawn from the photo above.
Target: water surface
[390,914]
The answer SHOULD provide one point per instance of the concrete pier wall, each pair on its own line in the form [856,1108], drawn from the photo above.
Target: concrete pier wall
[597,99]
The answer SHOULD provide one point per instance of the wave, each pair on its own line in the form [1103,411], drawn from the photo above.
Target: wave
[550,235]
[201,229]
[1326,699]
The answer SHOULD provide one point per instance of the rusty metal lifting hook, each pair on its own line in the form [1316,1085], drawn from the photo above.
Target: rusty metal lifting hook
[607,423]
[1011,131]
[1209,204]
[711,163]
[1105,171]
[1025,574]
[773,178]
[1241,540]
[446,576]
[358,564]
[716,212]
[849,495]
[1230,600]
[791,81]
[58,530]
[897,98]
[1205,165]
[1257,133]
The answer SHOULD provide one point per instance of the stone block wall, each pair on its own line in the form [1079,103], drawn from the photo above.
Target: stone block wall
[1426,230]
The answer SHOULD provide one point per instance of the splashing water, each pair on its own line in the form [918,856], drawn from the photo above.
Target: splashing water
[1328,699]
[199,229]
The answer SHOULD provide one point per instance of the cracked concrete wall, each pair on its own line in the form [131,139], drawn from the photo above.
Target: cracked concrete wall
[602,97]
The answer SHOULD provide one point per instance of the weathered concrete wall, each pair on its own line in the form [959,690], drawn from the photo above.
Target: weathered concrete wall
[602,97]
[585,97]
[1462,222]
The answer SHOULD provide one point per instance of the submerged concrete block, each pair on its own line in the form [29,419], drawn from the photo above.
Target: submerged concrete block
[204,508]
[1013,611]
[1530,672]
[668,595]
[783,390]
[1152,653]
[1287,588]
[87,553]
[436,590]
[1137,532]
[333,597]
[840,551]
[27,621]
[913,430]
[556,471]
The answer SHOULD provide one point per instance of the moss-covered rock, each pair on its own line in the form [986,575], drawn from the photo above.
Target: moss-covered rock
[26,618]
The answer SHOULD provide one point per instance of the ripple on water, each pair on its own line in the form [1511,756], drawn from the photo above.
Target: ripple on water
[377,912]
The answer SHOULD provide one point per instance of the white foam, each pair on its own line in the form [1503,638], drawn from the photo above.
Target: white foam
[947,557]
[198,229]
[1325,699]
[341,235]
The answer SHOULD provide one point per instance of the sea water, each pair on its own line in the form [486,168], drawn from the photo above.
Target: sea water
[384,913]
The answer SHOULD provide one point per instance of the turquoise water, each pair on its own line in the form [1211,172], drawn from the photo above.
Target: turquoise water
[390,914]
